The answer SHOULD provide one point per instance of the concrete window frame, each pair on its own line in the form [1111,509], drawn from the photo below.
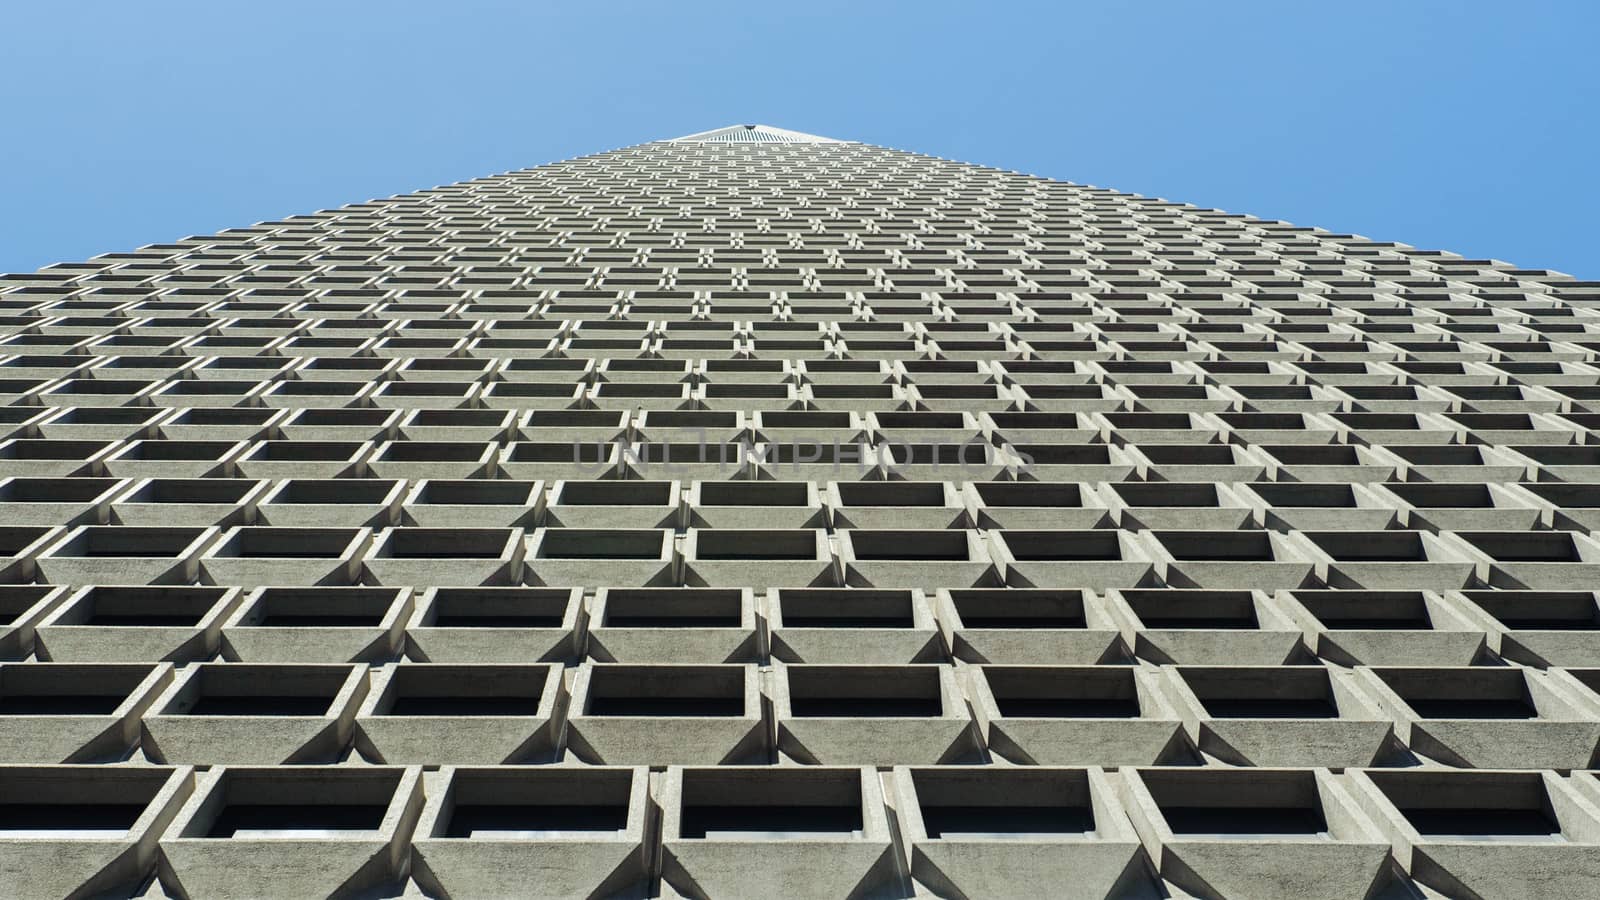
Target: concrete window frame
[175,732]
[1557,727]
[1093,558]
[796,557]
[456,424]
[75,732]
[873,738]
[1023,864]
[22,608]
[331,502]
[1249,732]
[852,625]
[461,737]
[1020,626]
[1205,626]
[601,503]
[1381,628]
[670,736]
[671,624]
[497,625]
[136,623]
[633,557]
[20,548]
[278,623]
[563,862]
[180,502]
[896,504]
[110,852]
[425,557]
[339,424]
[102,554]
[1349,857]
[1173,505]
[139,457]
[1488,865]
[348,860]
[827,864]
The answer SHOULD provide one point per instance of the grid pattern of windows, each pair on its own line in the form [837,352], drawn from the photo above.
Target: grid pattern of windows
[753,514]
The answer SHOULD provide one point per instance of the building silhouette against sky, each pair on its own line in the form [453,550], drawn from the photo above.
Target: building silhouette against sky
[759,514]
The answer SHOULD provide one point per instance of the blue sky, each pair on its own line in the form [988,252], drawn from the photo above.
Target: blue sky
[1466,126]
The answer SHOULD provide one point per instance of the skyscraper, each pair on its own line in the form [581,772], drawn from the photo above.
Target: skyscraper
[758,514]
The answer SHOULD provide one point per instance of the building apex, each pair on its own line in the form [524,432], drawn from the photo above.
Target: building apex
[752,134]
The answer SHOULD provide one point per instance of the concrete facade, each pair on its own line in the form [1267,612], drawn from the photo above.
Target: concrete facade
[761,515]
